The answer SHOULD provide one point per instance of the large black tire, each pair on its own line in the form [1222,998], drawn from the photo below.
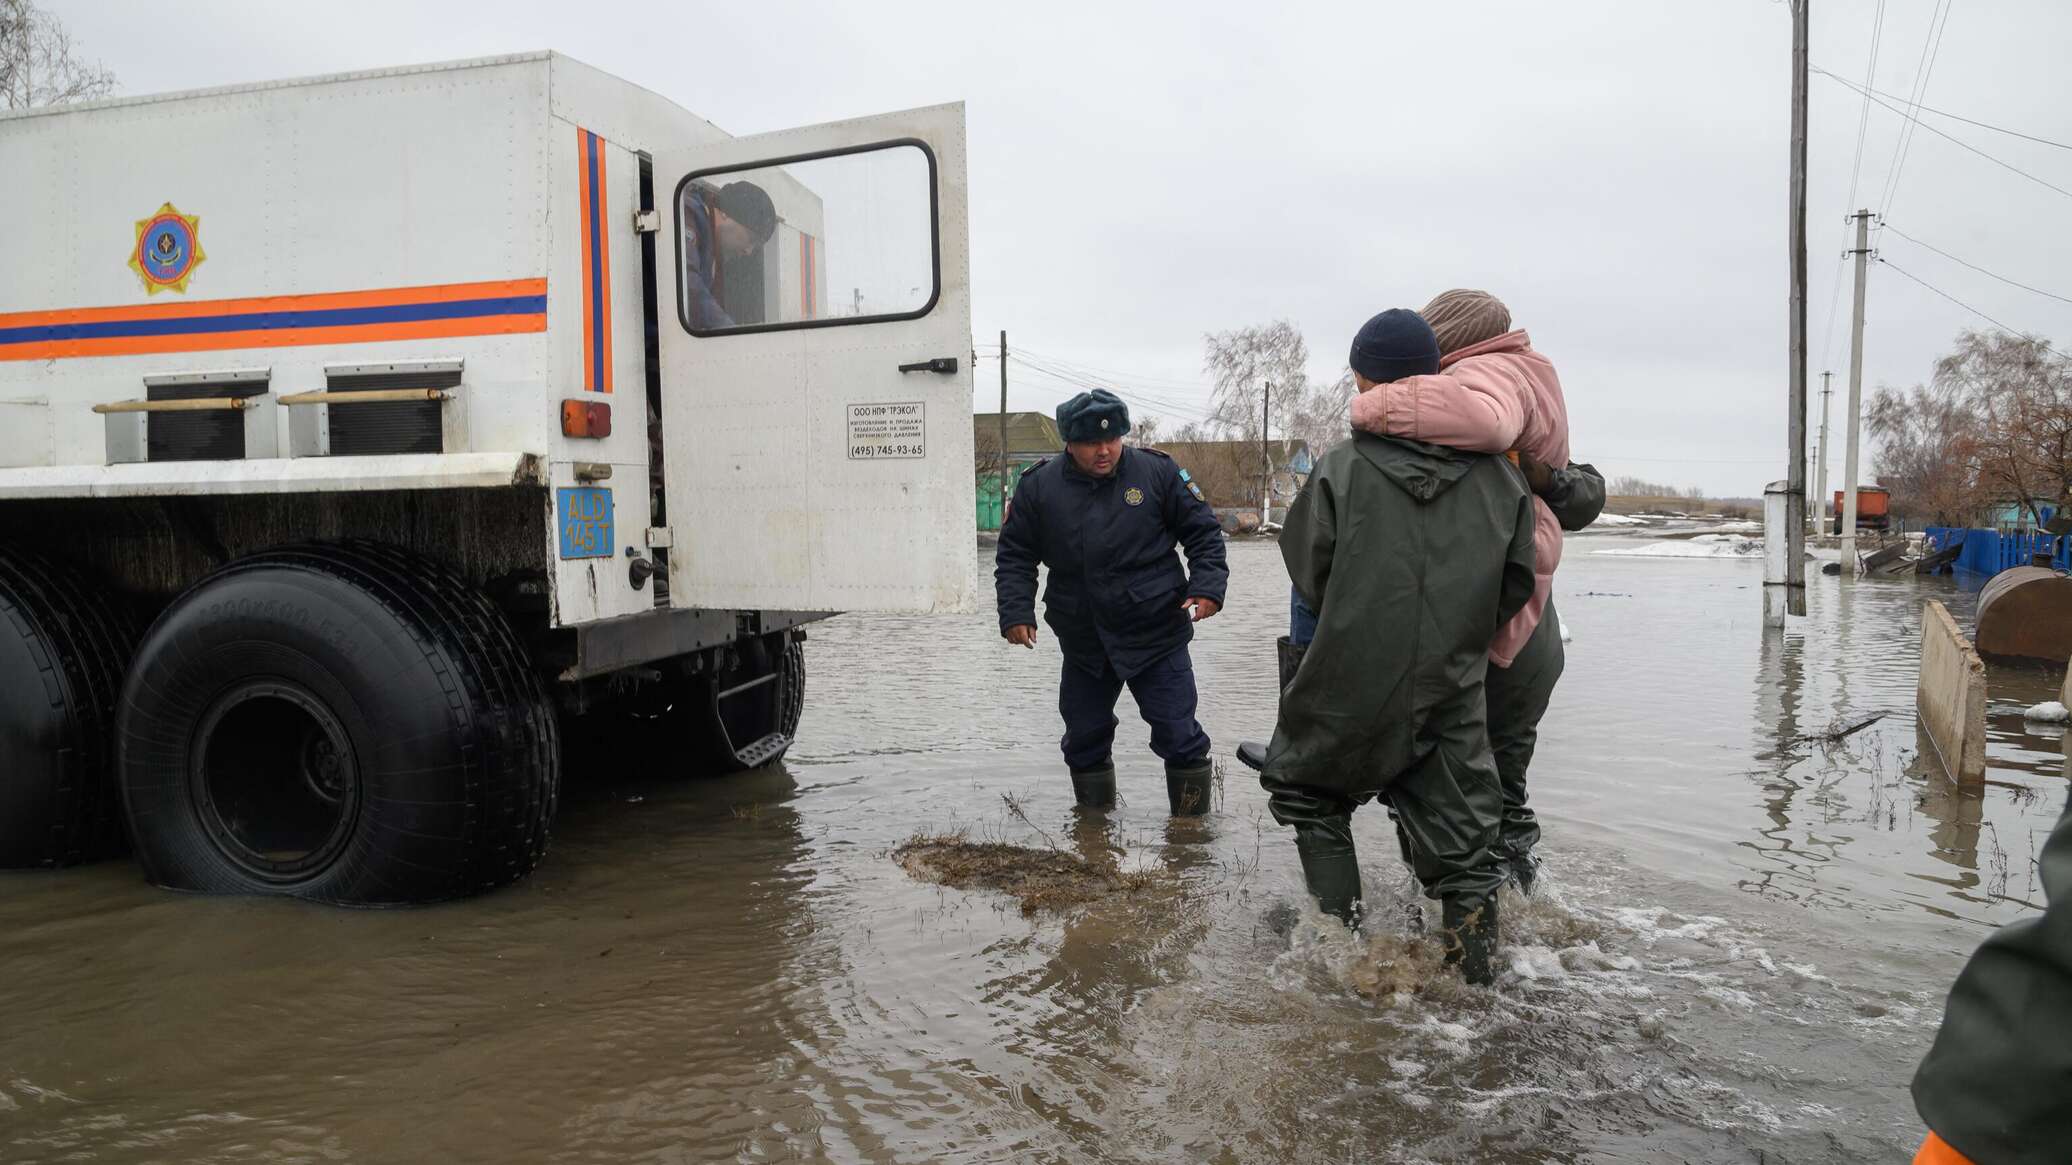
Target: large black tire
[62,652]
[343,723]
[742,717]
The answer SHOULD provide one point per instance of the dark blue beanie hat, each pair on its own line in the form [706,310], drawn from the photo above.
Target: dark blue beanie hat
[1096,416]
[1395,344]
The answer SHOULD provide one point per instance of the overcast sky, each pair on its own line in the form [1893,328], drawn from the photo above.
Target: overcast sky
[1144,174]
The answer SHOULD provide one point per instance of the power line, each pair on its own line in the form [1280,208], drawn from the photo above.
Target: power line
[1098,373]
[1195,409]
[1863,122]
[2013,133]
[1960,303]
[1863,116]
[1930,52]
[1961,142]
[1084,378]
[1975,267]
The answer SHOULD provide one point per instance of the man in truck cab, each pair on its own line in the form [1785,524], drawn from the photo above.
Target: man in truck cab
[1105,518]
[720,225]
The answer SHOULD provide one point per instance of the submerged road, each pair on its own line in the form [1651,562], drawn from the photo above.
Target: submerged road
[1740,955]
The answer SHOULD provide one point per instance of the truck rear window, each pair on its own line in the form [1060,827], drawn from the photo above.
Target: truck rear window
[846,237]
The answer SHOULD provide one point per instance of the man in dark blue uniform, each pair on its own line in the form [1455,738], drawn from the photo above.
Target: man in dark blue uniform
[731,222]
[1105,518]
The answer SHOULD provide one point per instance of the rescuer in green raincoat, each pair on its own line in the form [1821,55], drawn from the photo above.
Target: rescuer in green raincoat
[1996,1089]
[1412,556]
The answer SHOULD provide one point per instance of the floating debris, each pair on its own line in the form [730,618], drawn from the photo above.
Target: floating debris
[1041,879]
[2048,712]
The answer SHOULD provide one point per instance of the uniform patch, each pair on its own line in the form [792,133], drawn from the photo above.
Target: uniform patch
[166,250]
[1133,496]
[1194,488]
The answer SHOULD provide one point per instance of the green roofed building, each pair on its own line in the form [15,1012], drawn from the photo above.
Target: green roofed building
[1031,437]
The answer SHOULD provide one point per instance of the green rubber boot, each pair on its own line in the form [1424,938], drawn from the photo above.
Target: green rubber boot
[1330,868]
[1469,928]
[1094,788]
[1188,787]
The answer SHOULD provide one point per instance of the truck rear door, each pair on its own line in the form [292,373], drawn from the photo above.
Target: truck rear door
[816,367]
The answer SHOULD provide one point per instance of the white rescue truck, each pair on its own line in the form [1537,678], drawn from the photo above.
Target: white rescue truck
[375,447]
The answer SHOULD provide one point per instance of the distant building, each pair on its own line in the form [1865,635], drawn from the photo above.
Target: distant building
[1228,473]
[1031,437]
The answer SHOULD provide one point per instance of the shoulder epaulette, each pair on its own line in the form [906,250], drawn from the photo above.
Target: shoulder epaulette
[1156,452]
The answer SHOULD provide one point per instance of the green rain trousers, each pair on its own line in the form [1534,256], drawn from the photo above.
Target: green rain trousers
[1518,697]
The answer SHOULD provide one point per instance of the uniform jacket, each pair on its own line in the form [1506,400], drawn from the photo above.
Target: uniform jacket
[701,265]
[1116,584]
[1412,556]
[1997,1084]
[1490,397]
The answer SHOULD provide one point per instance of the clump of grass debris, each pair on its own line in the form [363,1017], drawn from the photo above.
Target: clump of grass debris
[1041,880]
[1045,879]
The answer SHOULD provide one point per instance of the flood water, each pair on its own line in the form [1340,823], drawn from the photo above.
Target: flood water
[1740,953]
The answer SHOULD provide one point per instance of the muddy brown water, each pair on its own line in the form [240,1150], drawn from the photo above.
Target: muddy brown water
[1741,953]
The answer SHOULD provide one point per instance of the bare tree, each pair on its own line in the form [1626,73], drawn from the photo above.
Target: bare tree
[1145,430]
[1927,454]
[1254,368]
[2018,392]
[1322,415]
[1635,487]
[37,63]
[987,456]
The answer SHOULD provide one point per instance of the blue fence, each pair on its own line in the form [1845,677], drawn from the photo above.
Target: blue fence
[1989,552]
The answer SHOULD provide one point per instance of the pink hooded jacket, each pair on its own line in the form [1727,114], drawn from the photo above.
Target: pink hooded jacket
[1490,397]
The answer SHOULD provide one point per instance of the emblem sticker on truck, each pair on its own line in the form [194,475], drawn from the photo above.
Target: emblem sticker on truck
[167,247]
[584,517]
[892,431]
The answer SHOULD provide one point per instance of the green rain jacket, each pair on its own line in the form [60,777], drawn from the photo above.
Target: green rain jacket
[1412,555]
[1997,1085]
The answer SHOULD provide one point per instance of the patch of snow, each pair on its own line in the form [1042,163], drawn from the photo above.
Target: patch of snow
[1618,520]
[1703,546]
[2048,712]
[1732,528]
[1567,636]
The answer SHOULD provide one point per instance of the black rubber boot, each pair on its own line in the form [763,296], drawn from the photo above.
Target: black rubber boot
[1188,787]
[1524,872]
[1094,788]
[1470,931]
[1290,658]
[1330,868]
[1251,753]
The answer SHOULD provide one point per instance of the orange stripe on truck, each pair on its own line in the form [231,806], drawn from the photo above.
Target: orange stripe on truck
[496,307]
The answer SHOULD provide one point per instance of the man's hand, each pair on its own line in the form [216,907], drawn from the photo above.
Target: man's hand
[1537,474]
[1021,635]
[1199,608]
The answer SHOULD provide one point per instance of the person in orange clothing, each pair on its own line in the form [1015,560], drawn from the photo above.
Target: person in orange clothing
[1996,1087]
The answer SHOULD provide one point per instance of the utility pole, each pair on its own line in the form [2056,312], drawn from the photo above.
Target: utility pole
[1863,254]
[1793,567]
[1820,494]
[1003,427]
[1265,459]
